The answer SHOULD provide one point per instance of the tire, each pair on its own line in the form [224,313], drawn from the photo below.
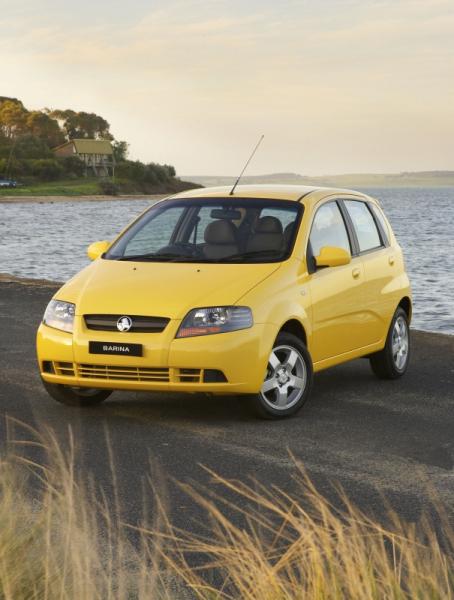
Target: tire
[289,362]
[73,396]
[392,361]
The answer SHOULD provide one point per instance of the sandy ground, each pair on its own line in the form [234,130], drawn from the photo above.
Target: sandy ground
[7,278]
[392,439]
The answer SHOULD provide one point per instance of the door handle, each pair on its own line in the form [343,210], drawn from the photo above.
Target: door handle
[391,259]
[356,273]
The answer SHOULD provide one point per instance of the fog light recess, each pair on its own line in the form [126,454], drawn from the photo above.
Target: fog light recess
[214,376]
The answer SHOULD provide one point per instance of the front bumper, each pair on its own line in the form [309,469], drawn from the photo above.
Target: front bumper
[167,364]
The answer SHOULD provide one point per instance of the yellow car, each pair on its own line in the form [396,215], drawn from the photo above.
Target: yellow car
[247,293]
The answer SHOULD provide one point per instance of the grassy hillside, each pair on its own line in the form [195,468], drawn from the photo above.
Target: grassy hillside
[29,138]
[353,180]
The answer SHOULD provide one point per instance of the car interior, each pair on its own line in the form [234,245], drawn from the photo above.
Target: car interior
[215,233]
[246,233]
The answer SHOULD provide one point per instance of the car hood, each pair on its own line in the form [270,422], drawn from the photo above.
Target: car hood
[160,289]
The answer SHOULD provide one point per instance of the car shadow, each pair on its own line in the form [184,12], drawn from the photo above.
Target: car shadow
[330,388]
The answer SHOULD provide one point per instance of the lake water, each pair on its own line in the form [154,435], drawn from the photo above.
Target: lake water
[49,241]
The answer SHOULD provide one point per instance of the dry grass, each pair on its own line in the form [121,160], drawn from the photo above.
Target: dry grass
[303,547]
[60,538]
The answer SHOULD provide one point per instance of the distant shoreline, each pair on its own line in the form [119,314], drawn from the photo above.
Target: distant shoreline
[92,198]
[422,179]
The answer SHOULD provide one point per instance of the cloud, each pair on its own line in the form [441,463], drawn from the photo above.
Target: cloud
[182,78]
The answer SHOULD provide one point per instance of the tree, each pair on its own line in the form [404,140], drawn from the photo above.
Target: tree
[8,99]
[82,124]
[120,150]
[12,118]
[42,126]
[171,170]
[31,146]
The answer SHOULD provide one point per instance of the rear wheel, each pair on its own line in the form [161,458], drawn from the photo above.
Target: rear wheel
[392,361]
[76,396]
[288,379]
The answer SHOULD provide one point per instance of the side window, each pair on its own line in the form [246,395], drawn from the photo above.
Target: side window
[364,224]
[381,219]
[328,229]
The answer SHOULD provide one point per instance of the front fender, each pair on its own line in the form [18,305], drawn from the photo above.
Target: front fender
[282,297]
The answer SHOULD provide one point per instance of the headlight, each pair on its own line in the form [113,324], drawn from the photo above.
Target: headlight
[60,315]
[215,319]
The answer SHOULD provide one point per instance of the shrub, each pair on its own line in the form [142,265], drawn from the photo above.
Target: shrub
[108,187]
[149,173]
[30,146]
[72,165]
[46,169]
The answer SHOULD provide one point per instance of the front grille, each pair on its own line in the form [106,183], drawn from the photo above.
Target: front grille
[64,368]
[123,373]
[151,374]
[139,324]
[188,375]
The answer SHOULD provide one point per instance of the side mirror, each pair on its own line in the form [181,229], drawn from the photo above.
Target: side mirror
[95,250]
[330,256]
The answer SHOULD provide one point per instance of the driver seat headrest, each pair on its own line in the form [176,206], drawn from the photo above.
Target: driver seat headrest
[220,239]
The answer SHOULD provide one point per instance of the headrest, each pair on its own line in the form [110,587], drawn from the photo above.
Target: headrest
[220,232]
[268,225]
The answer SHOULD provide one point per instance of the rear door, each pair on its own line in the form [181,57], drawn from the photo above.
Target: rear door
[336,292]
[379,266]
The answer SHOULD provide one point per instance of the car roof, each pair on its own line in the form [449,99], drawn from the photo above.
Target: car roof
[278,192]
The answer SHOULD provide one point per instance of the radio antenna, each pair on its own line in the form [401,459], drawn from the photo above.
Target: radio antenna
[245,166]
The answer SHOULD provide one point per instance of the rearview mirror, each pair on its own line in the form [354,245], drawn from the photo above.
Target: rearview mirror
[330,256]
[96,249]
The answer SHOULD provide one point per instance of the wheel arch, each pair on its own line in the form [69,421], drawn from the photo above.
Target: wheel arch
[295,327]
[406,305]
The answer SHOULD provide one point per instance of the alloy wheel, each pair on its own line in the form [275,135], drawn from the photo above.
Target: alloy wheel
[400,343]
[286,378]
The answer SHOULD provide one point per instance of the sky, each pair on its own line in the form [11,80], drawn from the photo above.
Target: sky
[336,86]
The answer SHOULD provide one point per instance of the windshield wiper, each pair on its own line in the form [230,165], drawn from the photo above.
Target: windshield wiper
[252,254]
[158,257]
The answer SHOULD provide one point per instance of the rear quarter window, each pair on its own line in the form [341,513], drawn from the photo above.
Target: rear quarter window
[382,221]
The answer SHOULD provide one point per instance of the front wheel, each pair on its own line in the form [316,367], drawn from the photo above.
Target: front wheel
[76,396]
[288,379]
[392,361]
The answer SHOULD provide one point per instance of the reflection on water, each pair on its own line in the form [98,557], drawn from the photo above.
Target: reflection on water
[50,240]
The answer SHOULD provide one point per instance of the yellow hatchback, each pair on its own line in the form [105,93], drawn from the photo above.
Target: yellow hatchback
[247,293]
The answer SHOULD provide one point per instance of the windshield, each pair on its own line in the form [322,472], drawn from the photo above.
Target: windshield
[219,230]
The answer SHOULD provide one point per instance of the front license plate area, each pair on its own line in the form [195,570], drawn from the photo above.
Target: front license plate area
[118,349]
